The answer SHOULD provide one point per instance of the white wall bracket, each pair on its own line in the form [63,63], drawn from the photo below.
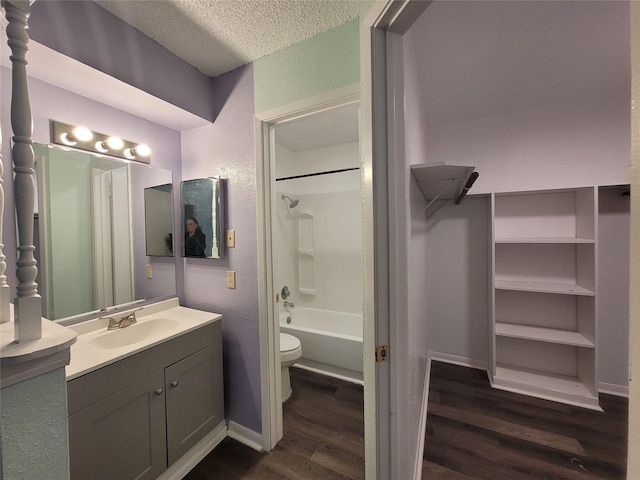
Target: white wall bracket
[442,181]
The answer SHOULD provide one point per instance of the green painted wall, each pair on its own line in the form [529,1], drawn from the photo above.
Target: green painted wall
[35,442]
[327,61]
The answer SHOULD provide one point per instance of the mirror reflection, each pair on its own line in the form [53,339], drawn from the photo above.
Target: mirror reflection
[91,224]
[203,217]
[158,220]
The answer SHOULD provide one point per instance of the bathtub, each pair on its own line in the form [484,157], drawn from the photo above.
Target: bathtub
[331,341]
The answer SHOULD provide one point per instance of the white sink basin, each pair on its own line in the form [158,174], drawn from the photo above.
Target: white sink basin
[158,322]
[135,333]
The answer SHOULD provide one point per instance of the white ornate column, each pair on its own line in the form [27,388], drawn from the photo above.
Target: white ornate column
[28,304]
[30,346]
[4,286]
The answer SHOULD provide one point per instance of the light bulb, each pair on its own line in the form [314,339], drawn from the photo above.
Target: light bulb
[101,147]
[115,143]
[143,150]
[139,151]
[82,134]
[68,139]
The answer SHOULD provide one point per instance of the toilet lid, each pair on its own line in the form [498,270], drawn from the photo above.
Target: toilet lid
[288,342]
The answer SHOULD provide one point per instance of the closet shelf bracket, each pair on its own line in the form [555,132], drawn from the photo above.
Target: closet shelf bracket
[443,181]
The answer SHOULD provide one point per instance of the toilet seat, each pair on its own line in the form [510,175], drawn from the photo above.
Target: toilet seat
[288,343]
[290,349]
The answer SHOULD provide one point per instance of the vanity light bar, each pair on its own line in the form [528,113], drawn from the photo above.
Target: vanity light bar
[85,139]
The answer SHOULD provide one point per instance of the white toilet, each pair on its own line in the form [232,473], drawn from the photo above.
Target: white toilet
[290,353]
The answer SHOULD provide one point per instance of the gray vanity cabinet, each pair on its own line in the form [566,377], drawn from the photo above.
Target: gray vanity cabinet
[193,401]
[121,436]
[134,418]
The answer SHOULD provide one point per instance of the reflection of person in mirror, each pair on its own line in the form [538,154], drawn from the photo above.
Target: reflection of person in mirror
[194,239]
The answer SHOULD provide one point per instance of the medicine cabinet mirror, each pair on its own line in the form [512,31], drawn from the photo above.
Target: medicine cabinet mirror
[158,220]
[202,207]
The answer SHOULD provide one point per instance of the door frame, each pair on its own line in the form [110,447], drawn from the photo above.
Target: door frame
[397,16]
[270,371]
[384,306]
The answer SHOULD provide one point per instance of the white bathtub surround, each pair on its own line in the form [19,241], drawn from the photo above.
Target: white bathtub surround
[319,256]
[320,241]
[157,323]
[331,341]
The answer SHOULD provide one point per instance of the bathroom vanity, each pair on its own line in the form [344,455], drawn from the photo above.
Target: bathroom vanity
[142,397]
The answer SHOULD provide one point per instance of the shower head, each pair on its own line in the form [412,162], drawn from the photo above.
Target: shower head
[292,202]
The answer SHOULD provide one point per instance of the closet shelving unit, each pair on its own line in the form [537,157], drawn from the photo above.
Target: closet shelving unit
[440,182]
[543,300]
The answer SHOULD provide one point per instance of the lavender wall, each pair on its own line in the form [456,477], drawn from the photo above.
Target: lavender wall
[570,144]
[50,102]
[226,148]
[90,34]
[418,268]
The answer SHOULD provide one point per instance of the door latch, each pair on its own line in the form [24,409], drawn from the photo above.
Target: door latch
[382,353]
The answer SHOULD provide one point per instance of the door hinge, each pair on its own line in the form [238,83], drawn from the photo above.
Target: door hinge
[382,353]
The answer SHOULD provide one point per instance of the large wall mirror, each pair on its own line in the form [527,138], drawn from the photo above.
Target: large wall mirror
[92,232]
[203,217]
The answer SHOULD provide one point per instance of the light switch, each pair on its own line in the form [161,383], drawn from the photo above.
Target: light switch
[231,279]
[231,238]
[149,271]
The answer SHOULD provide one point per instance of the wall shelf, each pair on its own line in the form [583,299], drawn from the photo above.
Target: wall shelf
[550,335]
[551,387]
[440,182]
[543,287]
[538,240]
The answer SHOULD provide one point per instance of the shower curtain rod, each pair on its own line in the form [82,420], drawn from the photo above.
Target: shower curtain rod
[318,173]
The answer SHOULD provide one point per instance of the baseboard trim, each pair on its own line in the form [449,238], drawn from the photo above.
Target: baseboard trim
[612,389]
[189,460]
[457,360]
[417,468]
[245,436]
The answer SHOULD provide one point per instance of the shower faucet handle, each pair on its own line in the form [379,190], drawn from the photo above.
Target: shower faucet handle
[284,293]
[289,305]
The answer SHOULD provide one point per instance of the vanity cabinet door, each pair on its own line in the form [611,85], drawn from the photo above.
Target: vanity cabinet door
[194,399]
[122,436]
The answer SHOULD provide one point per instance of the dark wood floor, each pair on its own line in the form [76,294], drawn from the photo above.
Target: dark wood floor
[323,438]
[474,432]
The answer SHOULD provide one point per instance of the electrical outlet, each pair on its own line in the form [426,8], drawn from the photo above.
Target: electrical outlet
[149,271]
[231,279]
[231,238]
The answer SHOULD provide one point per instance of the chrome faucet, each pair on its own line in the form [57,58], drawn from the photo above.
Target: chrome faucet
[124,321]
[289,304]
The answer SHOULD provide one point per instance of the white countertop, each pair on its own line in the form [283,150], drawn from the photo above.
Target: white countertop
[86,356]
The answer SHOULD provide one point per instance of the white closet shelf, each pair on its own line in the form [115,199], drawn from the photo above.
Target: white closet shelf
[549,335]
[545,385]
[550,240]
[543,287]
[442,181]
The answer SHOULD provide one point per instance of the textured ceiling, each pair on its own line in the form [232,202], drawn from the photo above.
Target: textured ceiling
[217,36]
